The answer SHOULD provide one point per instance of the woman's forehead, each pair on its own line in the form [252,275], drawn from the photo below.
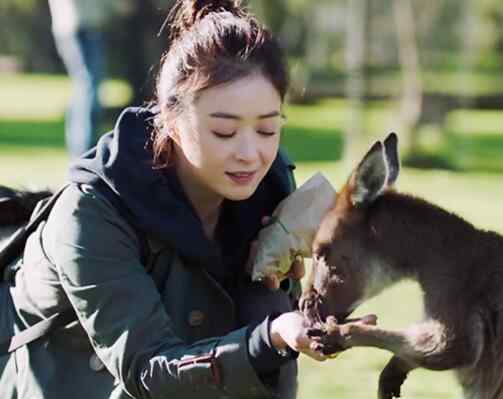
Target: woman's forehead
[251,96]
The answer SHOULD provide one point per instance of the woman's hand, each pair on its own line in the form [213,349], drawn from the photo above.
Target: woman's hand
[290,329]
[297,269]
[294,330]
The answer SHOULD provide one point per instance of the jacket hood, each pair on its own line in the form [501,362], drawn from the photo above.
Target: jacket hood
[120,166]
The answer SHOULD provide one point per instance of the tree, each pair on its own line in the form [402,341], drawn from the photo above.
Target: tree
[411,97]
[356,56]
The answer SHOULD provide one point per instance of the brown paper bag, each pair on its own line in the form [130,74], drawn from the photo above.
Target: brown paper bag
[293,226]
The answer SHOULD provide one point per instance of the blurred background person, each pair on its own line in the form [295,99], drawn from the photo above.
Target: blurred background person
[78,27]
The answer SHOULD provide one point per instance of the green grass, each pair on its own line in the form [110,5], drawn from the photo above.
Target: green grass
[32,154]
[314,132]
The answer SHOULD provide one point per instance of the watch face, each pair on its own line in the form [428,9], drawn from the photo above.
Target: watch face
[284,352]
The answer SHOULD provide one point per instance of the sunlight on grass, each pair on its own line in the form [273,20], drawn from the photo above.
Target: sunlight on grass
[475,122]
[323,114]
[45,97]
[475,83]
[475,140]
[32,168]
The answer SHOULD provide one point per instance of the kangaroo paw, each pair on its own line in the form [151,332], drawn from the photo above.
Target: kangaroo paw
[327,338]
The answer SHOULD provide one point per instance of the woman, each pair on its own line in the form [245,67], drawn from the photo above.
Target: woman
[148,245]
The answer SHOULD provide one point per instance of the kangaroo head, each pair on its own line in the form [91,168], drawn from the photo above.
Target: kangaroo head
[344,263]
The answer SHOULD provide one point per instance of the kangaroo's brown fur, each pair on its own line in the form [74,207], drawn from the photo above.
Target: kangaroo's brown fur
[374,237]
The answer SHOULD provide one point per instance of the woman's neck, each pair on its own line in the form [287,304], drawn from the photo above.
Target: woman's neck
[209,220]
[207,204]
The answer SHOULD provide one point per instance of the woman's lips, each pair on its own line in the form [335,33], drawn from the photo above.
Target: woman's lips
[241,178]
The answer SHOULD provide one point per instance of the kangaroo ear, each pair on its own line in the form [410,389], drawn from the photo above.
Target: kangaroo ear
[370,177]
[392,158]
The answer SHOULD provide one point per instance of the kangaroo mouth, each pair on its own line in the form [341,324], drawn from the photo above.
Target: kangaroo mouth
[315,309]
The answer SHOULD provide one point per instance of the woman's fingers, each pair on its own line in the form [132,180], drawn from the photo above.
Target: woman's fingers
[314,332]
[272,282]
[298,269]
[328,338]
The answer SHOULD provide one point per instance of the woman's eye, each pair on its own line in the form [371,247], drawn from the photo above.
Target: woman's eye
[223,135]
[266,133]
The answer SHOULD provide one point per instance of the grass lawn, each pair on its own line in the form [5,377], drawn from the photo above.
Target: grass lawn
[32,154]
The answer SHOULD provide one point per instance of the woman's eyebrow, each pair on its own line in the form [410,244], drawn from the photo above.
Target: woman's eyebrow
[224,115]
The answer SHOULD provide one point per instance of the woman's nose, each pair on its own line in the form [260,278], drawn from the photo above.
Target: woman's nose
[247,148]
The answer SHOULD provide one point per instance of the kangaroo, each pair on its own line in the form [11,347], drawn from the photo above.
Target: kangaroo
[375,236]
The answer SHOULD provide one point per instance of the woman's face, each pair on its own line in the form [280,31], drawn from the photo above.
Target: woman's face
[228,138]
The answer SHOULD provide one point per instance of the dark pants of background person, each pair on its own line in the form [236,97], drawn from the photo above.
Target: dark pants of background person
[82,54]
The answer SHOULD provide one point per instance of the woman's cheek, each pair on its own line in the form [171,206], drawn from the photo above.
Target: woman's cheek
[272,150]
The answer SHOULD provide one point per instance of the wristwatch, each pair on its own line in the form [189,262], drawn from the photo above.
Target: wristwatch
[286,352]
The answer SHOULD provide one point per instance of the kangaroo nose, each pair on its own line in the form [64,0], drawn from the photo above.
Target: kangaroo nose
[302,304]
[309,305]
[307,299]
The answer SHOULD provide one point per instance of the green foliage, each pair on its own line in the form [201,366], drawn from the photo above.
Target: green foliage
[17,5]
[453,36]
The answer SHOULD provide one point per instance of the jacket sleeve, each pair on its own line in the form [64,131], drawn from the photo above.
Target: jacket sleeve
[97,256]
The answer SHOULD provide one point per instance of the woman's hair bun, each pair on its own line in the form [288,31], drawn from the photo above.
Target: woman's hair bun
[185,13]
[215,5]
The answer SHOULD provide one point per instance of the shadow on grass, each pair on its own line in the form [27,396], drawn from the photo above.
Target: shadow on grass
[480,152]
[39,134]
[35,133]
[462,153]
[312,144]
[426,160]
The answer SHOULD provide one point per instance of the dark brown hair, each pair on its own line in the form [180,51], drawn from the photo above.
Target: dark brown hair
[211,42]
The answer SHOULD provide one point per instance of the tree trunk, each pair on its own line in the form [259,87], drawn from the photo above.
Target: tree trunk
[356,56]
[412,91]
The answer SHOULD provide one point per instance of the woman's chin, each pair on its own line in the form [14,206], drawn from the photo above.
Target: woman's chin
[239,194]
